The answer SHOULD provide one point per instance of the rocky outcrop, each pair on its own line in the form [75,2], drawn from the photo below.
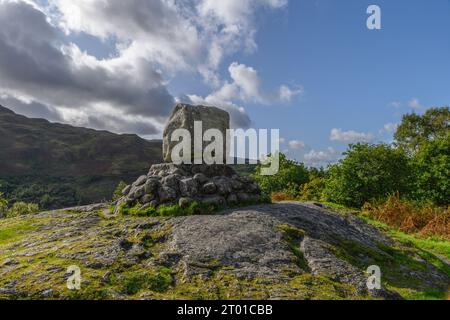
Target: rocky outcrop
[184,117]
[169,184]
[279,251]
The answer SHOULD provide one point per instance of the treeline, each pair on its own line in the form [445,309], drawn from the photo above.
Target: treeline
[415,170]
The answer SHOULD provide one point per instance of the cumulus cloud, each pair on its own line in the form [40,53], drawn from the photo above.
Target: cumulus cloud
[245,86]
[350,136]
[296,144]
[37,66]
[389,128]
[414,103]
[127,91]
[321,158]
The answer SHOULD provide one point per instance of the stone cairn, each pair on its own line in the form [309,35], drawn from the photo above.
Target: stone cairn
[170,184]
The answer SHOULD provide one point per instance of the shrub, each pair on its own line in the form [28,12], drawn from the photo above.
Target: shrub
[3,206]
[118,192]
[313,190]
[290,177]
[282,196]
[425,219]
[368,173]
[21,209]
[432,169]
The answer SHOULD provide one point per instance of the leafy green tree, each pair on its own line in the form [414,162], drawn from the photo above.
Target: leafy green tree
[368,172]
[432,164]
[22,209]
[291,176]
[3,205]
[416,130]
[118,192]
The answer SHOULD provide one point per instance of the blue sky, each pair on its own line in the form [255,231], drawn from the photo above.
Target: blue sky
[341,77]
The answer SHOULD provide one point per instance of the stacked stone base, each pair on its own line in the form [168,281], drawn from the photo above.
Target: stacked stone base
[170,184]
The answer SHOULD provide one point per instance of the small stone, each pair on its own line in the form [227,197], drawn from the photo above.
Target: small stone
[243,197]
[10,262]
[154,204]
[171,181]
[137,193]
[215,200]
[188,187]
[209,188]
[232,199]
[200,178]
[147,199]
[151,185]
[224,186]
[107,277]
[185,202]
[167,194]
[140,181]
[126,190]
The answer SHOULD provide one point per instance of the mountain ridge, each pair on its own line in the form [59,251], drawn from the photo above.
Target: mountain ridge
[63,164]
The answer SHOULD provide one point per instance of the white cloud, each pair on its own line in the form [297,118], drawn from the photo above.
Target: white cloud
[350,136]
[396,104]
[389,128]
[414,103]
[296,144]
[245,86]
[155,40]
[286,93]
[321,158]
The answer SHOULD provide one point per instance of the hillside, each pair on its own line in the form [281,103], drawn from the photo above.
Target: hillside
[57,165]
[279,251]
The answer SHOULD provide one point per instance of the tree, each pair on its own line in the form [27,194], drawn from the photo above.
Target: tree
[291,176]
[416,130]
[368,172]
[432,164]
[3,205]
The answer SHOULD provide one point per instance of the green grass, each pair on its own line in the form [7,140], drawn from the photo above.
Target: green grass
[14,231]
[195,208]
[434,245]
[156,282]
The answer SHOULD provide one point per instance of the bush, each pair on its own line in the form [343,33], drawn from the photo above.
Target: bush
[282,196]
[22,209]
[118,192]
[368,173]
[3,206]
[423,219]
[313,190]
[432,168]
[291,176]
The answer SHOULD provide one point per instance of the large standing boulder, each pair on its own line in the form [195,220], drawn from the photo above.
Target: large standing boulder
[184,116]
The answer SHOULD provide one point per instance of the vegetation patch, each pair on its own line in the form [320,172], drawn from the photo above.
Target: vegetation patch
[14,230]
[293,237]
[398,264]
[158,281]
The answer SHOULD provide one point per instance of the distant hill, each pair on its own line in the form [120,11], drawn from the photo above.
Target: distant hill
[58,165]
